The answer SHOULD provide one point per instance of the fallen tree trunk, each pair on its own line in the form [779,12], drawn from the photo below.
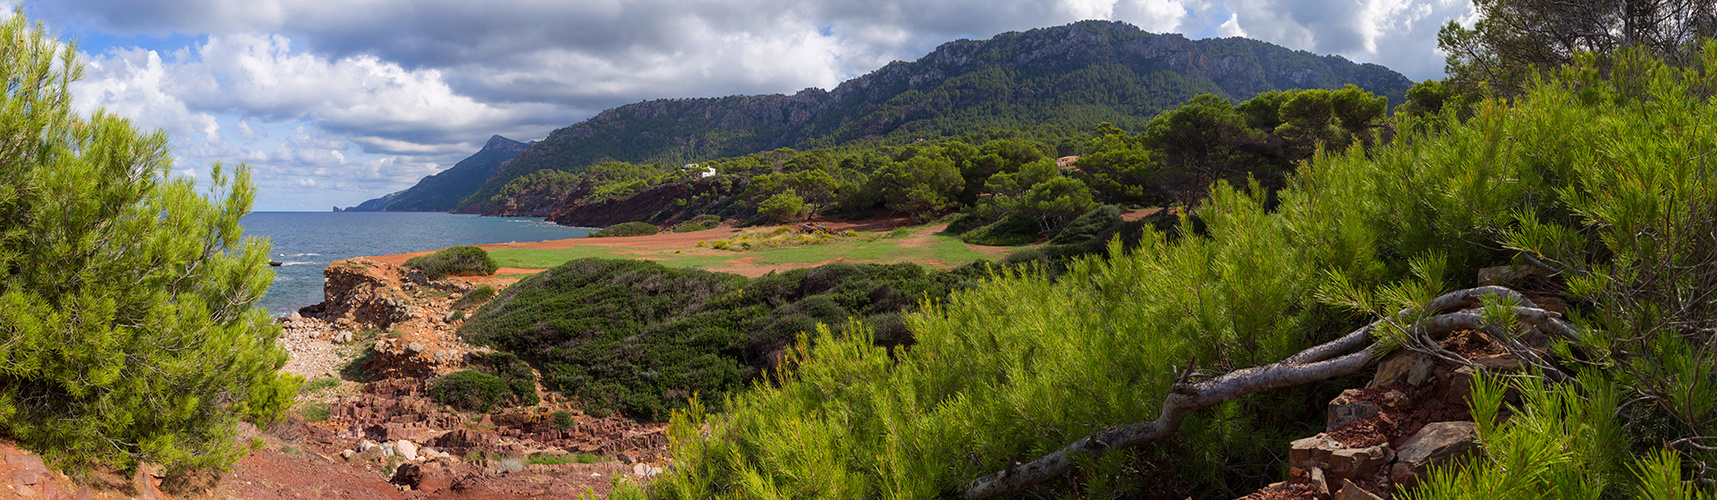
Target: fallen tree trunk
[1311,365]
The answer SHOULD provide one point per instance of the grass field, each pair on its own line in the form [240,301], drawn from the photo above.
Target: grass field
[922,245]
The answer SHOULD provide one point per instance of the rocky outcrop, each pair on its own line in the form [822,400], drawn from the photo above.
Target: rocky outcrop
[659,205]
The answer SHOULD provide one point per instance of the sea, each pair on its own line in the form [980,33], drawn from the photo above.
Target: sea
[306,242]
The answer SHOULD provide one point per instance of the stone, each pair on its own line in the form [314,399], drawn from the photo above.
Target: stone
[406,449]
[645,470]
[1312,452]
[1460,386]
[1350,491]
[1344,410]
[1403,367]
[1320,484]
[1506,276]
[366,444]
[1501,363]
[26,477]
[414,347]
[295,317]
[26,462]
[1436,443]
[1359,463]
[348,454]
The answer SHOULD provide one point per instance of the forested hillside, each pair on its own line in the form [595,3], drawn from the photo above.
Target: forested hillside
[1063,80]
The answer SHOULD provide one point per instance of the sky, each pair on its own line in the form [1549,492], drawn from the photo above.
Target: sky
[334,103]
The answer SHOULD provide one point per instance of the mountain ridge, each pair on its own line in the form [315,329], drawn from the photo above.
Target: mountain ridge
[1069,77]
[442,191]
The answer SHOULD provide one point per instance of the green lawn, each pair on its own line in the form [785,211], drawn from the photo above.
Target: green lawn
[942,249]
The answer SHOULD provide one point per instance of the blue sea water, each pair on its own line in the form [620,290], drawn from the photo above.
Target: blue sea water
[306,242]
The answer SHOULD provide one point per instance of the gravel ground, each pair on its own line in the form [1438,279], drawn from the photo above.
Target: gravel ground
[307,341]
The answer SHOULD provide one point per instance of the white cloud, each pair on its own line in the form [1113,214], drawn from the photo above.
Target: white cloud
[1231,27]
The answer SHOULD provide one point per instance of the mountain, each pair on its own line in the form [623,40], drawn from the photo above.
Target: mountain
[441,192]
[1071,77]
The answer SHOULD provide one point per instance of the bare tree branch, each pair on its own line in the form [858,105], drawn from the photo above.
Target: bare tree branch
[1311,365]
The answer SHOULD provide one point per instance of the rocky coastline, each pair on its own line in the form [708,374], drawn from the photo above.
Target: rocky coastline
[384,333]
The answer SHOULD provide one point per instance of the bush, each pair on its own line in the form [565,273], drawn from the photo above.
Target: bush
[1580,174]
[1014,230]
[1093,226]
[127,296]
[477,296]
[640,338]
[471,390]
[564,420]
[467,260]
[626,229]
[699,223]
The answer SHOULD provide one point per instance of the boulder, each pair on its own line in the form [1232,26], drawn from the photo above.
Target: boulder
[1345,409]
[406,449]
[1436,443]
[1501,363]
[1320,484]
[1403,367]
[1350,491]
[1313,452]
[1359,463]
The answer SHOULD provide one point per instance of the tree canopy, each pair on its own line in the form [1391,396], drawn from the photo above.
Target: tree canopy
[127,331]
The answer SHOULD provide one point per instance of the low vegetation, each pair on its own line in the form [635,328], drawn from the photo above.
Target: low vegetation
[468,260]
[775,237]
[626,229]
[640,338]
[1601,182]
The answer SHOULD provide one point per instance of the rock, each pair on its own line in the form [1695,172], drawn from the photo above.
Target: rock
[343,337]
[295,317]
[1359,463]
[26,477]
[1403,367]
[1319,483]
[645,470]
[406,449]
[1344,410]
[366,445]
[1350,491]
[414,347]
[1460,386]
[348,454]
[1313,452]
[1507,276]
[1501,363]
[1436,443]
[26,462]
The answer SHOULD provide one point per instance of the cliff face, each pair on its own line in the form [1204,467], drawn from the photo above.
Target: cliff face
[443,191]
[1071,76]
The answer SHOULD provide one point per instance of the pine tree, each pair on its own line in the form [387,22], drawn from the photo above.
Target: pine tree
[127,327]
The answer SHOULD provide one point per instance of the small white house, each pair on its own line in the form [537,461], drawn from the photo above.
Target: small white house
[700,170]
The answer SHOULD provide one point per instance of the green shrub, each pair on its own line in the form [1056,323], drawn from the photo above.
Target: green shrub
[127,294]
[626,229]
[1014,230]
[699,223]
[477,296]
[468,260]
[1607,185]
[320,383]
[315,412]
[471,390]
[564,420]
[640,338]
[1092,226]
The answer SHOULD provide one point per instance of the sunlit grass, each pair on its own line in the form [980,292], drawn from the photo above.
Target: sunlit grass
[876,247]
